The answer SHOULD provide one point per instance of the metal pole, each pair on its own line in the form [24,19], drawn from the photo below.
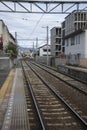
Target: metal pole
[16,37]
[36,47]
[47,44]
[33,47]
[36,43]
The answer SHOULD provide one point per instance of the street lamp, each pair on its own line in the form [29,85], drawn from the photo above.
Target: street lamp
[47,39]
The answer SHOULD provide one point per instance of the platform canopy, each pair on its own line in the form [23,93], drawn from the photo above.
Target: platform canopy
[43,6]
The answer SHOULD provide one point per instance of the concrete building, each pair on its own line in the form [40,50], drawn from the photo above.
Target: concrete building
[76,34]
[56,48]
[42,51]
[76,21]
[62,37]
[5,36]
[41,55]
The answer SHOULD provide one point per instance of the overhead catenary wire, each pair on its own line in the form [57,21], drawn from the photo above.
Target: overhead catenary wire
[37,24]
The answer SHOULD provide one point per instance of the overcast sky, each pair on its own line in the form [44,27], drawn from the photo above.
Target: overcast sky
[29,26]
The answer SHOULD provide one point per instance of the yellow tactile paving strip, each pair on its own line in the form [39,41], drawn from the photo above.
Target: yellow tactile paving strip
[16,116]
[6,84]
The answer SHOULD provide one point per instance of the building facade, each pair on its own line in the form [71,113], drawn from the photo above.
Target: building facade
[5,36]
[76,34]
[56,48]
[43,50]
[62,37]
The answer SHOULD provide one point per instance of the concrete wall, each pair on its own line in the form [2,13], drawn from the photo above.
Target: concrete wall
[55,61]
[1,27]
[85,43]
[69,24]
[4,63]
[83,62]
[73,72]
[77,48]
[51,61]
[42,59]
[6,36]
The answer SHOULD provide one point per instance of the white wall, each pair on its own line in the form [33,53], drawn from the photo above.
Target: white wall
[0,27]
[4,32]
[42,53]
[86,43]
[5,37]
[77,48]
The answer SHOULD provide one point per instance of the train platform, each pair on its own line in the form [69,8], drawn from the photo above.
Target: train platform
[83,69]
[15,115]
[76,72]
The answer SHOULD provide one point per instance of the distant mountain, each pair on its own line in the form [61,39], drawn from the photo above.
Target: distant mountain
[25,48]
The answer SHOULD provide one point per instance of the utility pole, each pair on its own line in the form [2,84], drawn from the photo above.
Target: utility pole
[47,43]
[47,39]
[36,47]
[16,36]
[33,47]
[36,43]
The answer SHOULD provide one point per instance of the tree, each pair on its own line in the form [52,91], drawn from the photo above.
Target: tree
[12,50]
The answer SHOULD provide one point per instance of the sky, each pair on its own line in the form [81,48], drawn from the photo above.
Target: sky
[31,26]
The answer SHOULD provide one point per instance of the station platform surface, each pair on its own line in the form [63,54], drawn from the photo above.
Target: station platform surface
[78,73]
[16,117]
[83,69]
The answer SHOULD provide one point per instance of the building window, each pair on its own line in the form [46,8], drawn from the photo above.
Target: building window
[59,48]
[78,39]
[56,47]
[59,41]
[63,49]
[45,50]
[56,31]
[44,55]
[56,40]
[60,31]
[56,54]
[72,41]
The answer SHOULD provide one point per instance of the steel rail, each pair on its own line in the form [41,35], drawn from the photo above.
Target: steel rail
[60,97]
[63,80]
[73,77]
[34,100]
[64,74]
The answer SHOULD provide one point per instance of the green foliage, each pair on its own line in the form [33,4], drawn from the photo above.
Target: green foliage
[11,49]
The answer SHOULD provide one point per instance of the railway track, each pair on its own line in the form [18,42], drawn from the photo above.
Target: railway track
[33,117]
[74,96]
[54,112]
[67,79]
[68,75]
